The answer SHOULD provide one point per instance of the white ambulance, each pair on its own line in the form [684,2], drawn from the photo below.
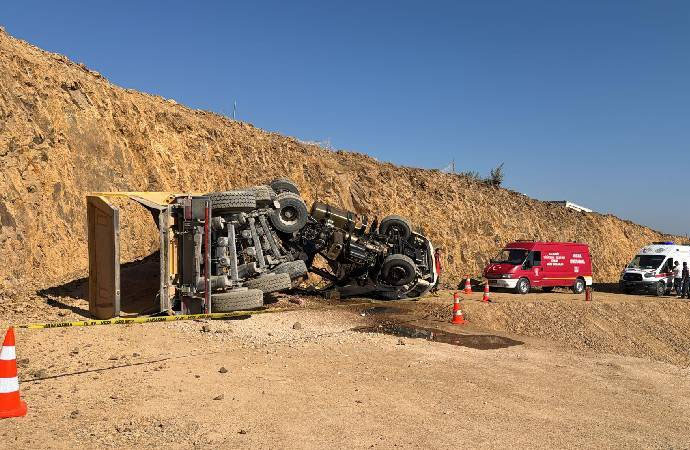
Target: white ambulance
[651,270]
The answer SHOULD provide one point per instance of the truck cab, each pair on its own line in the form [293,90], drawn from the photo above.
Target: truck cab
[651,269]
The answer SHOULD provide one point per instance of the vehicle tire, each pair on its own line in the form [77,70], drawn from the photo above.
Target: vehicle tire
[522,287]
[395,225]
[237,300]
[270,282]
[547,289]
[280,185]
[291,214]
[232,200]
[264,195]
[398,270]
[659,289]
[295,269]
[579,286]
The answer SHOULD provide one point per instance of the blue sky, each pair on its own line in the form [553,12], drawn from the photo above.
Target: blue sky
[582,100]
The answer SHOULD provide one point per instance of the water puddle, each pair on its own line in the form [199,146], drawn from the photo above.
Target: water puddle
[384,310]
[476,341]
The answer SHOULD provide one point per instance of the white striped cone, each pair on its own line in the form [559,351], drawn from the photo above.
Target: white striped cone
[10,403]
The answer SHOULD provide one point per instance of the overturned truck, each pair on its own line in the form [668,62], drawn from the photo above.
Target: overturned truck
[222,251]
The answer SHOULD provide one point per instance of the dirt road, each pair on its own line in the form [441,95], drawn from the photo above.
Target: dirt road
[307,379]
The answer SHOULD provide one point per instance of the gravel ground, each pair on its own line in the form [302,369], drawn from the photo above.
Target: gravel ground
[306,379]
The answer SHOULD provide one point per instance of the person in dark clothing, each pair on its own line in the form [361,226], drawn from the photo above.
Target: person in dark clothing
[439,269]
[686,281]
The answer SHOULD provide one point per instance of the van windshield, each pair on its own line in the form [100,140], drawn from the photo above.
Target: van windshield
[647,261]
[514,256]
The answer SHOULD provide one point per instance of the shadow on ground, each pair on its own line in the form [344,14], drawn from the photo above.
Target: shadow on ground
[611,288]
[139,283]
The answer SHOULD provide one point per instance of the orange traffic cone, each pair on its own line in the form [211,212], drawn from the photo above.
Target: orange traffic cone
[468,286]
[486,298]
[458,318]
[10,404]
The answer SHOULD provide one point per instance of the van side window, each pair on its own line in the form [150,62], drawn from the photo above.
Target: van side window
[536,259]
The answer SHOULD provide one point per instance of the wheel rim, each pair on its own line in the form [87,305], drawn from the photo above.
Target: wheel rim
[396,274]
[289,214]
[523,286]
[395,230]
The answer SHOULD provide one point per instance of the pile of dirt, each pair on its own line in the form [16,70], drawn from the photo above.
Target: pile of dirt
[66,131]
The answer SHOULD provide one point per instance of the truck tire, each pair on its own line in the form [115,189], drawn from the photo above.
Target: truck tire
[232,200]
[659,289]
[291,214]
[238,300]
[522,287]
[264,195]
[398,270]
[579,286]
[280,185]
[295,269]
[270,282]
[395,225]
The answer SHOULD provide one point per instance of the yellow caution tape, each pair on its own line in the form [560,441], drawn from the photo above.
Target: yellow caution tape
[149,319]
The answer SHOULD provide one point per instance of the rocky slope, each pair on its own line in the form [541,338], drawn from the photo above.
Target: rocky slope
[66,131]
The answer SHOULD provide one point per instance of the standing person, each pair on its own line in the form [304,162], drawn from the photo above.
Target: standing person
[678,279]
[685,274]
[439,269]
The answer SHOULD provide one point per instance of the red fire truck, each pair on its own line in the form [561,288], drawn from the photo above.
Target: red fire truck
[522,265]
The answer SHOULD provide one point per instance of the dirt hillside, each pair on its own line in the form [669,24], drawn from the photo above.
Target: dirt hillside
[66,131]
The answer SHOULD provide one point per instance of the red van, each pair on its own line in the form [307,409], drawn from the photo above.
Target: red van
[522,265]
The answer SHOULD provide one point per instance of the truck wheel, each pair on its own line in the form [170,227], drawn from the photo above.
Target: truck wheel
[232,200]
[280,185]
[264,195]
[295,269]
[238,300]
[547,289]
[395,225]
[660,289]
[291,214]
[522,286]
[579,286]
[271,282]
[398,270]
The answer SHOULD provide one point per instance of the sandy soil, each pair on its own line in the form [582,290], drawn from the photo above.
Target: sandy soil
[321,384]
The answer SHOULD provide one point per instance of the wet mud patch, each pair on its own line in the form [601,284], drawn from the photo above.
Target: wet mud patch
[476,341]
[384,310]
